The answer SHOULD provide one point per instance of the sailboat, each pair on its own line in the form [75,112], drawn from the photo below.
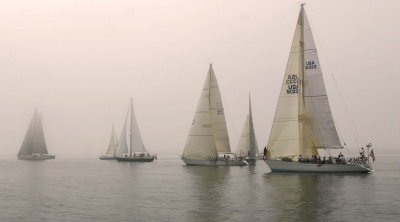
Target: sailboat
[208,141]
[34,145]
[303,121]
[247,146]
[137,152]
[112,146]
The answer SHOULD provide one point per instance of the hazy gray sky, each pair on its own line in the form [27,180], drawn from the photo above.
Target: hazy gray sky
[80,61]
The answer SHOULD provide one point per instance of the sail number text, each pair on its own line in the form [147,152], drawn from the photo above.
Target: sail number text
[310,65]
[293,84]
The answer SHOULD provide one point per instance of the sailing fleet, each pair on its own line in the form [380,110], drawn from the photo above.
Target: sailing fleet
[303,125]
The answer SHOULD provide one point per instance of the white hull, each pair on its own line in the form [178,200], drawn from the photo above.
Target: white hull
[281,166]
[37,157]
[214,163]
[107,157]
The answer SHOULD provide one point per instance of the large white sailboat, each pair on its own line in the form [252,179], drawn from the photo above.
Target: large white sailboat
[137,151]
[247,146]
[208,141]
[34,145]
[112,147]
[303,121]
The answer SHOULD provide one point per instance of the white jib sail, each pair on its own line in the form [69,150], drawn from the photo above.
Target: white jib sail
[136,141]
[34,141]
[284,139]
[112,146]
[200,144]
[122,143]
[217,115]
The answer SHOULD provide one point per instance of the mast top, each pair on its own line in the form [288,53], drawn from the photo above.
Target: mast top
[302,4]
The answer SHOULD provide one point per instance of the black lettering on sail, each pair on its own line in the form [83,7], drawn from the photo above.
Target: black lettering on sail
[292,82]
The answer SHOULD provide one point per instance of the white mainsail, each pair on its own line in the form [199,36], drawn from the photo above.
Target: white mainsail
[247,142]
[136,141]
[303,121]
[112,146]
[316,101]
[208,134]
[34,141]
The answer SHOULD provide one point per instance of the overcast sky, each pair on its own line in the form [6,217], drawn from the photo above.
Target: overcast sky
[78,62]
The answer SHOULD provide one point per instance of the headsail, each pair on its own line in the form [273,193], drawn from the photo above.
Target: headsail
[284,139]
[112,146]
[34,141]
[122,147]
[303,120]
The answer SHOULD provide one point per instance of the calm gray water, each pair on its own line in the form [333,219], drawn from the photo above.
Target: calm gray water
[167,190]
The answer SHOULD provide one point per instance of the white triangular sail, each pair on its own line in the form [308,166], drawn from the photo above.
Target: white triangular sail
[247,145]
[208,134]
[303,120]
[316,101]
[122,147]
[112,146]
[136,141]
[34,141]
[217,115]
[200,142]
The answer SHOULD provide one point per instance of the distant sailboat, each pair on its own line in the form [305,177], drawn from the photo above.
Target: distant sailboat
[112,147]
[137,152]
[208,141]
[303,121]
[34,145]
[247,146]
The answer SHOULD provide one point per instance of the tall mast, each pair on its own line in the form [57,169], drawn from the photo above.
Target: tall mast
[209,88]
[302,54]
[251,129]
[130,130]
